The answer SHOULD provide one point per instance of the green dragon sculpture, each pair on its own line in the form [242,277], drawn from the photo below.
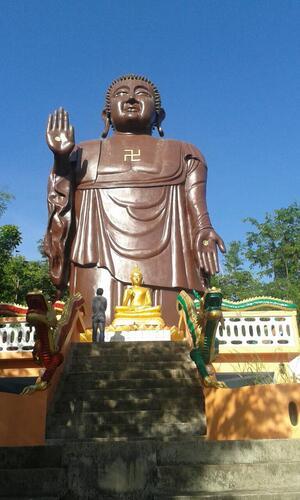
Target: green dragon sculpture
[198,320]
[258,303]
[51,334]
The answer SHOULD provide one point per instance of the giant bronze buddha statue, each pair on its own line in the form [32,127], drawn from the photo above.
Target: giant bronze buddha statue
[127,199]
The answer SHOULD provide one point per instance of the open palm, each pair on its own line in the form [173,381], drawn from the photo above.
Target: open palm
[60,134]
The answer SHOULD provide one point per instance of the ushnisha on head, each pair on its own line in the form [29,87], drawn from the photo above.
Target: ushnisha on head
[136,276]
[133,106]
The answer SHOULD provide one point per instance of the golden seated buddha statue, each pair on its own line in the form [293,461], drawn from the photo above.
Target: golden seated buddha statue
[137,311]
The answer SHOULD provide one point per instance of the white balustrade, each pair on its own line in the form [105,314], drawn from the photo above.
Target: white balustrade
[252,330]
[265,331]
[16,337]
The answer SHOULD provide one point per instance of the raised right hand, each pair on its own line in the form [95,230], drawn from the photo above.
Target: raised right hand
[60,134]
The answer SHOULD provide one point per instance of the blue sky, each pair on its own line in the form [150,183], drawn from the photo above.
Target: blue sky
[228,72]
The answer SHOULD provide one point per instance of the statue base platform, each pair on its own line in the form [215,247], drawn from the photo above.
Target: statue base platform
[163,335]
[138,336]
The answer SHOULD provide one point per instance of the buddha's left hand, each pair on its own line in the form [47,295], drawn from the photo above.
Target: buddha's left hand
[206,244]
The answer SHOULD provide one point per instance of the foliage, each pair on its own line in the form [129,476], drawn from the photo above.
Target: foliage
[22,276]
[268,263]
[274,245]
[17,275]
[233,259]
[10,238]
[257,368]
[237,283]
[4,199]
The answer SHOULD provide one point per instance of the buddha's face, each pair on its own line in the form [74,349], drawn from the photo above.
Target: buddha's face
[132,107]
[136,278]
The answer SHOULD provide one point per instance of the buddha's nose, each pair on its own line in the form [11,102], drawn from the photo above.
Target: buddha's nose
[131,99]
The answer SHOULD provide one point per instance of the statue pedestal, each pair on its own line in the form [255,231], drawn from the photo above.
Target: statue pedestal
[138,336]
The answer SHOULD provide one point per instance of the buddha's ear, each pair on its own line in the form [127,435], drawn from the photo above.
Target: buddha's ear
[107,123]
[160,117]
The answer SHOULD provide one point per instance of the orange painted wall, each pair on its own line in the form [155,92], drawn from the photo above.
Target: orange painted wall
[252,412]
[22,419]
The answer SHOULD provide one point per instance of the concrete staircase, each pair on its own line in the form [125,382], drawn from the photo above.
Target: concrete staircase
[257,469]
[32,472]
[128,423]
[128,391]
[151,470]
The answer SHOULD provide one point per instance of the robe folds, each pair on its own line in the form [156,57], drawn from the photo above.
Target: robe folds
[126,201]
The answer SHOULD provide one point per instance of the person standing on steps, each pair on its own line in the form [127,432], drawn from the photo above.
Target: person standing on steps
[99,306]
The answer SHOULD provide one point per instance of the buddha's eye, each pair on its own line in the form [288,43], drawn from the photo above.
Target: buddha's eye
[142,92]
[120,92]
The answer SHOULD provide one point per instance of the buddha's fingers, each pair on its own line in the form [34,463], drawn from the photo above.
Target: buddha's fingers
[221,245]
[49,123]
[66,121]
[71,132]
[205,262]
[215,258]
[60,118]
[55,120]
[201,263]
[211,264]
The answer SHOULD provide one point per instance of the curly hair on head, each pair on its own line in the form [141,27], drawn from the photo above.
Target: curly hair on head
[131,76]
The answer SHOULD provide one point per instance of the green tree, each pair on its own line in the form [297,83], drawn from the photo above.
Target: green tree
[22,276]
[274,245]
[17,275]
[233,260]
[237,283]
[10,238]
[268,263]
[273,248]
[4,200]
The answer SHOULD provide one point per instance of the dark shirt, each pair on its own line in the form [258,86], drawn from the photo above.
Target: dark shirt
[99,306]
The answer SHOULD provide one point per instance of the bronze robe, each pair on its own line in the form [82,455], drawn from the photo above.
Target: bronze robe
[128,200]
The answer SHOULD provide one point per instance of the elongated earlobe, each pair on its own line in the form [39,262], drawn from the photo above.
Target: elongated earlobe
[106,128]
[107,123]
[160,117]
[160,131]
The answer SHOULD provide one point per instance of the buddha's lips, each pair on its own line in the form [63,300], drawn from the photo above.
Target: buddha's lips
[131,109]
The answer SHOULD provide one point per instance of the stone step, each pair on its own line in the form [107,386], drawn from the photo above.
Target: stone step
[118,356]
[138,373]
[90,403]
[33,482]
[124,394]
[133,354]
[133,470]
[139,418]
[97,365]
[122,358]
[92,380]
[31,456]
[234,495]
[154,430]
[31,497]
[157,348]
[227,477]
[229,452]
